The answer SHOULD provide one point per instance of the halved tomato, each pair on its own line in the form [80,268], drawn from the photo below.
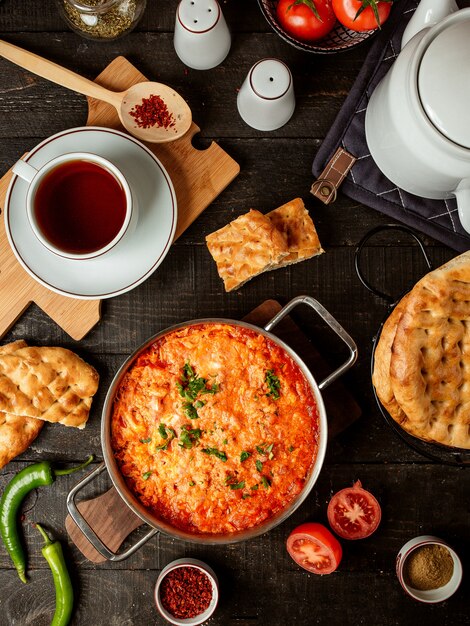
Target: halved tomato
[354,513]
[313,547]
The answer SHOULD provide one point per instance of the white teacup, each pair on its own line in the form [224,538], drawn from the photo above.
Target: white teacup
[114,222]
[266,100]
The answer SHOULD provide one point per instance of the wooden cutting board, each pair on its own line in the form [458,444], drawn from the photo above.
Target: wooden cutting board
[113,520]
[198,176]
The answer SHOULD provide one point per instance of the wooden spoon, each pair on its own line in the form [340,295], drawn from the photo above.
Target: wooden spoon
[123,101]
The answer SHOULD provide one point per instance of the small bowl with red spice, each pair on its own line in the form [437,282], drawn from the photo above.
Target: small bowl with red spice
[187,592]
[428,569]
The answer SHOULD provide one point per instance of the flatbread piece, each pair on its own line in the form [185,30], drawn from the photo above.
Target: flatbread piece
[48,383]
[294,222]
[17,432]
[246,247]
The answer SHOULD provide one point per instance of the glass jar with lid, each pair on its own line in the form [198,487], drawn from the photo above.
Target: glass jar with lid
[103,20]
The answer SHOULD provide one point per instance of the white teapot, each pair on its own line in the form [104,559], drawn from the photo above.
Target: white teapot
[418,118]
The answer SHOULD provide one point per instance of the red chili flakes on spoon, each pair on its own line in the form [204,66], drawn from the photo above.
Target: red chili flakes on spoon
[152,112]
[186,592]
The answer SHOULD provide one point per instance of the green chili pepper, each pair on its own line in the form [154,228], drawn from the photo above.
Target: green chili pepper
[29,478]
[52,552]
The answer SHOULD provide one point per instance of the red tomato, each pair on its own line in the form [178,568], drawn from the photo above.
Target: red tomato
[354,513]
[307,20]
[362,14]
[314,548]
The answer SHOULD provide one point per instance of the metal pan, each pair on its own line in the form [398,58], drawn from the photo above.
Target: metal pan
[147,516]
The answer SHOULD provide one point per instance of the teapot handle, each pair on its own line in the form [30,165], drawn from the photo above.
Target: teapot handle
[428,14]
[462,194]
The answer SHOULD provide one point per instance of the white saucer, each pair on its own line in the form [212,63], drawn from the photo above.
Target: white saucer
[136,256]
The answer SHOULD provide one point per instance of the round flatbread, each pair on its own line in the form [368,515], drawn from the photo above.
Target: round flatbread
[430,356]
[382,358]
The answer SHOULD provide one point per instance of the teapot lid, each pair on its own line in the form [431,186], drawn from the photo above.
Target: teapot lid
[444,82]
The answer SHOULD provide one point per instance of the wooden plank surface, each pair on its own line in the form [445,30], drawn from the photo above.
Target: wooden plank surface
[260,585]
[284,593]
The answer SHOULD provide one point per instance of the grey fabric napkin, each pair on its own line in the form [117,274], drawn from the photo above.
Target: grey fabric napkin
[365,182]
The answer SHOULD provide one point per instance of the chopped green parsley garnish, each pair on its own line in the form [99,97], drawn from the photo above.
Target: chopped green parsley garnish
[266,482]
[266,450]
[239,485]
[214,452]
[254,488]
[147,475]
[225,442]
[148,440]
[245,496]
[190,411]
[291,448]
[168,434]
[273,384]
[189,437]
[192,483]
[163,446]
[214,388]
[190,385]
[244,456]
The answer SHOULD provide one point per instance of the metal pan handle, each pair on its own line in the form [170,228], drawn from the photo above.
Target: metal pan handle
[89,532]
[360,246]
[332,323]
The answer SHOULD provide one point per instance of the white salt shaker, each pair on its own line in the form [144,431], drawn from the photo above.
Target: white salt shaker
[202,38]
[266,99]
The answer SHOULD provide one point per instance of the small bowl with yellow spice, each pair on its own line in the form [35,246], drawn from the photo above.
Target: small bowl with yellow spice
[428,569]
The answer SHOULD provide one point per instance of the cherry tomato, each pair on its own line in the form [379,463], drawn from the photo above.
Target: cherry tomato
[362,14]
[307,20]
[354,513]
[313,547]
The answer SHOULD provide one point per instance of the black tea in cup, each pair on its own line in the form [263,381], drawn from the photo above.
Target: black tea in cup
[80,207]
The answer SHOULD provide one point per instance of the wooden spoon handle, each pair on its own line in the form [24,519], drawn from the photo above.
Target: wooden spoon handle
[58,74]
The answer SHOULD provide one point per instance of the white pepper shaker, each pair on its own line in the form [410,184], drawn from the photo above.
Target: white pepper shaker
[202,38]
[266,100]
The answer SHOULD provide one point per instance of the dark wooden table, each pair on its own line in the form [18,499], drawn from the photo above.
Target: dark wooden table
[260,584]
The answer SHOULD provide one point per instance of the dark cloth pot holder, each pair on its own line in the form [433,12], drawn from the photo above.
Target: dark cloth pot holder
[365,182]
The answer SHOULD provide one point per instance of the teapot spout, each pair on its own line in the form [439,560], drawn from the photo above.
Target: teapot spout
[428,13]
[462,193]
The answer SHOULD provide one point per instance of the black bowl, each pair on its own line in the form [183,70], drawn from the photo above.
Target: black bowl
[337,40]
[433,450]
